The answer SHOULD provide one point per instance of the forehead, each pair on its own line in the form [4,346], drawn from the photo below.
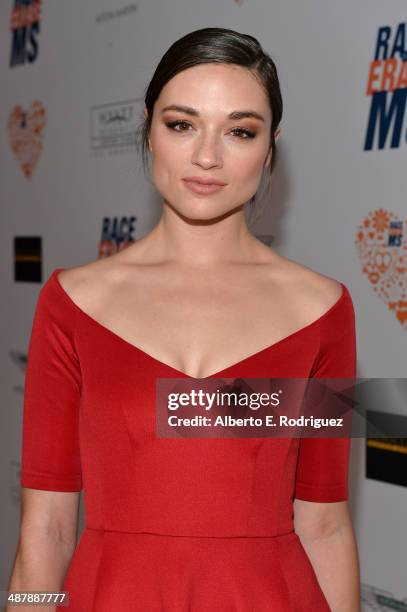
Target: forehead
[215,87]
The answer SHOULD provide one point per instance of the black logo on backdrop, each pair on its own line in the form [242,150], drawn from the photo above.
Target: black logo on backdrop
[28,259]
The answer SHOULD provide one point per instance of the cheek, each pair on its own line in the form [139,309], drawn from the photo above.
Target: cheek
[167,160]
[165,165]
[247,169]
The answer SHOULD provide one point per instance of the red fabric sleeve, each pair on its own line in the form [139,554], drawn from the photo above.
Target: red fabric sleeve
[323,463]
[52,390]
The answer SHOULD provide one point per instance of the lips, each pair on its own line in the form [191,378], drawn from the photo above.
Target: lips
[204,181]
[202,188]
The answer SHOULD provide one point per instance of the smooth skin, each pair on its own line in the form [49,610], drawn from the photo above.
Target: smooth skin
[199,292]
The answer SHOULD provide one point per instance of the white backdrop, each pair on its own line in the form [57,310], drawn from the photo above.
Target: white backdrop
[92,61]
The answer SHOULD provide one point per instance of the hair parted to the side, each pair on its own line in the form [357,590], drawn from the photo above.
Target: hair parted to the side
[214,45]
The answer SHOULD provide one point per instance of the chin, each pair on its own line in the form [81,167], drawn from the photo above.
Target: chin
[199,208]
[206,210]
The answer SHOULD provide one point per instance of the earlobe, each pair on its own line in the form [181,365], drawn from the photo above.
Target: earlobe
[146,117]
[268,158]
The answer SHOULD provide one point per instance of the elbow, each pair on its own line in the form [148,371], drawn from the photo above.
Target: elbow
[314,521]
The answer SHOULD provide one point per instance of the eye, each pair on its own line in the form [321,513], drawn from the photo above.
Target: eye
[243,133]
[173,124]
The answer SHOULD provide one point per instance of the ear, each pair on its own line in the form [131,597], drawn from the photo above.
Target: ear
[146,116]
[268,158]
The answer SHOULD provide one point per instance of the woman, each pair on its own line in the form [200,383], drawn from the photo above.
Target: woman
[178,524]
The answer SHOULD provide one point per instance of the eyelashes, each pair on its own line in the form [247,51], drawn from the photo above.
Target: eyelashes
[243,133]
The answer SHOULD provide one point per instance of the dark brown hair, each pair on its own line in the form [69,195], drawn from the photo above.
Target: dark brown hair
[214,45]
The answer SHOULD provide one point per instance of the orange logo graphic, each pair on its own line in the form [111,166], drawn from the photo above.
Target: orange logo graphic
[383,255]
[26,129]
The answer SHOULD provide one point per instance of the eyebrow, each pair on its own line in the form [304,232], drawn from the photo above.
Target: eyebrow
[233,115]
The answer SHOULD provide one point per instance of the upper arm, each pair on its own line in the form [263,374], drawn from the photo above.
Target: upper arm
[321,485]
[51,476]
[52,394]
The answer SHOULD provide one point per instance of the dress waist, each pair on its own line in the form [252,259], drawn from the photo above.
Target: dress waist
[288,534]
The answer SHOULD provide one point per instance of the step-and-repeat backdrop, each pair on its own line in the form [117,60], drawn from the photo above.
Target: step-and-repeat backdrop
[72,187]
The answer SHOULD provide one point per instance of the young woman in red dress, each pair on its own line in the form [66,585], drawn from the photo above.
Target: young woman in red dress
[181,525]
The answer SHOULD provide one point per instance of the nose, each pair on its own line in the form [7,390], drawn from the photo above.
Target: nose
[207,152]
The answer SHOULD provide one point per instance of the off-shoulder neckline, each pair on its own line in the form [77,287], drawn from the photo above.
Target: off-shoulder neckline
[180,373]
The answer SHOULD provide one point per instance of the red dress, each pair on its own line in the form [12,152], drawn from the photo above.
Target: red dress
[176,525]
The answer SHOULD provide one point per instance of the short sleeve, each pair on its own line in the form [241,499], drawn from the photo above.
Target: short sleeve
[323,463]
[52,391]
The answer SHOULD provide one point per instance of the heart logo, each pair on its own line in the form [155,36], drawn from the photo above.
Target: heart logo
[379,241]
[26,129]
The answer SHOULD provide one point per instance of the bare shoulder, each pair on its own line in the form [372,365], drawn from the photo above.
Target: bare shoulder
[316,292]
[325,290]
[75,280]
[94,285]
[91,283]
